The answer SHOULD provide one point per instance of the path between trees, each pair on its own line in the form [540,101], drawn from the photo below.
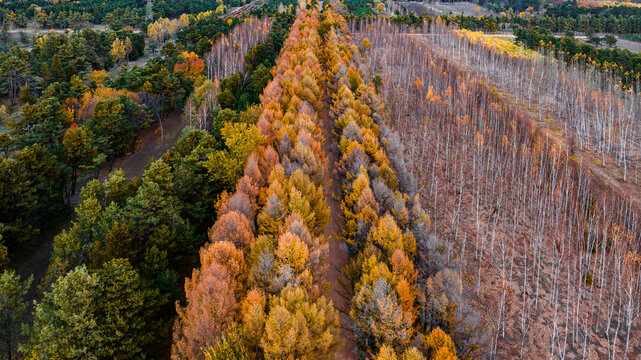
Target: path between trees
[36,259]
[341,290]
[153,146]
[134,164]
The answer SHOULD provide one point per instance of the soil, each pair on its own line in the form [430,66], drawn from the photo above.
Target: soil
[610,174]
[152,146]
[341,292]
[141,62]
[243,10]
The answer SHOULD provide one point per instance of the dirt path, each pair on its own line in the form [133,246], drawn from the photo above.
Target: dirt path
[341,289]
[141,62]
[152,146]
[35,260]
[243,10]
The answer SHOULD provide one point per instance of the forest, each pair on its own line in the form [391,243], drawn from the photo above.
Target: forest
[211,180]
[115,13]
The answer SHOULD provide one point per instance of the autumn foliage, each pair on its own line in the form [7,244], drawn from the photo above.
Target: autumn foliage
[88,101]
[192,66]
[211,305]
[262,269]
[383,216]
[526,202]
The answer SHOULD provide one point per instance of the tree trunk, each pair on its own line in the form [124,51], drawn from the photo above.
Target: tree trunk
[162,131]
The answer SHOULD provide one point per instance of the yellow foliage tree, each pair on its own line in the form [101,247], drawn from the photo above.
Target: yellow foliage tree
[389,237]
[90,99]
[253,318]
[99,76]
[293,252]
[118,50]
[386,353]
[439,345]
[298,327]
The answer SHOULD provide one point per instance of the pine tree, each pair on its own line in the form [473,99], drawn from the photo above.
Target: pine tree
[15,72]
[65,324]
[26,95]
[123,310]
[93,315]
[12,304]
[79,151]
[110,123]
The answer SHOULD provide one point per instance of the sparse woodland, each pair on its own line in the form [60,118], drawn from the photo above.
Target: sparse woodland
[545,246]
[227,56]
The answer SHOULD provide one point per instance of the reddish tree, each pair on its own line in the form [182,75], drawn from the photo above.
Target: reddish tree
[232,227]
[209,311]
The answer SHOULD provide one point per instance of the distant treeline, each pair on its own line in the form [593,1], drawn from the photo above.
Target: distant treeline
[622,62]
[115,13]
[596,24]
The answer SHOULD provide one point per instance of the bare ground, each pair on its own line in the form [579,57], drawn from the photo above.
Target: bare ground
[536,339]
[519,297]
[152,146]
[341,290]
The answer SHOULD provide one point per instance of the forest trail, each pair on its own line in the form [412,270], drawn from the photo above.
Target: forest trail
[35,261]
[152,145]
[245,9]
[341,290]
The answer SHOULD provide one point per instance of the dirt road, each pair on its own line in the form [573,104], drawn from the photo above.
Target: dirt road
[35,260]
[341,288]
[152,146]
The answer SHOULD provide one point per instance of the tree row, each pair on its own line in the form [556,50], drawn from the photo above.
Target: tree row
[403,305]
[258,292]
